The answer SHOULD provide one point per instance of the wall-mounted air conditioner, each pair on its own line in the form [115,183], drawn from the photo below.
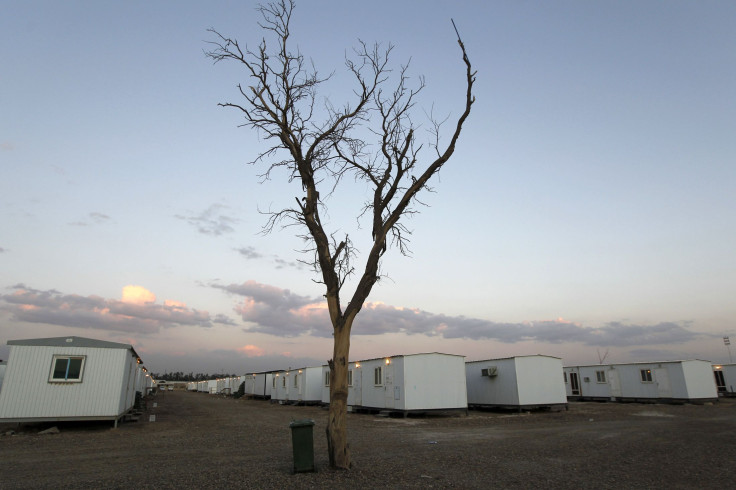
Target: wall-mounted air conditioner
[490,371]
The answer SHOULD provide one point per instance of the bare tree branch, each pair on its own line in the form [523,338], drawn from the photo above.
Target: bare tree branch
[319,148]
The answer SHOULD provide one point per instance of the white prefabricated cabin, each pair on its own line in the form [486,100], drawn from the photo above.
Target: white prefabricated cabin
[68,378]
[250,384]
[355,379]
[280,387]
[409,383]
[259,385]
[725,379]
[671,381]
[305,385]
[534,381]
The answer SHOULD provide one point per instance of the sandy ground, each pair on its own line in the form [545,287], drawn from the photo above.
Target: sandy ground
[206,441]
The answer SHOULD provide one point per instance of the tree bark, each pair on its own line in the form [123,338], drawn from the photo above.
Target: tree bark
[337,431]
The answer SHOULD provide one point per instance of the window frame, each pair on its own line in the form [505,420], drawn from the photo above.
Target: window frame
[600,377]
[327,378]
[646,376]
[57,357]
[378,376]
[350,377]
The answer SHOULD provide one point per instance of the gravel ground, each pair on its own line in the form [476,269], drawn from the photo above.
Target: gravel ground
[206,441]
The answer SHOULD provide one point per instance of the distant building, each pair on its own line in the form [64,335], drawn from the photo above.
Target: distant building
[667,381]
[725,378]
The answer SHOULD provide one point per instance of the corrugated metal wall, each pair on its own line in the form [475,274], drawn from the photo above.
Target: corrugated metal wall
[103,392]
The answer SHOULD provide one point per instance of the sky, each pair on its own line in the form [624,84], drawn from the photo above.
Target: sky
[587,213]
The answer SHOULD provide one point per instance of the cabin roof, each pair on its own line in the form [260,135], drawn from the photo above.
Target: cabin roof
[635,363]
[72,341]
[408,355]
[513,357]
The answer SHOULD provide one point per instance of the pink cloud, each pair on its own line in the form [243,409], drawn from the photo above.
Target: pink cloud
[136,312]
[251,351]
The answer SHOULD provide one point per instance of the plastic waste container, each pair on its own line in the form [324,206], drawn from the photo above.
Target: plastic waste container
[303,445]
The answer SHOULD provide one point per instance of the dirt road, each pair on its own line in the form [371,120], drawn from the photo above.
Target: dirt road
[205,441]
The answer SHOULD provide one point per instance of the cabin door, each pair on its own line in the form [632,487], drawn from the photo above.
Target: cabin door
[720,381]
[358,387]
[664,388]
[388,385]
[615,381]
[574,384]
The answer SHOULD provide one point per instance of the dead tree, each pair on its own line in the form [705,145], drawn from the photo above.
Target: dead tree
[319,146]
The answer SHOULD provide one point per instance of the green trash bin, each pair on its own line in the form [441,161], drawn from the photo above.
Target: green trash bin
[301,439]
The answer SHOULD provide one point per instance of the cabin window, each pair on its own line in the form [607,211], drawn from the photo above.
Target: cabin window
[296,381]
[67,369]
[327,378]
[273,382]
[378,376]
[350,377]
[283,382]
[646,375]
[600,376]
[564,376]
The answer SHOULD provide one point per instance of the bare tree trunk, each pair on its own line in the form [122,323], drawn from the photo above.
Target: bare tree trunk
[337,430]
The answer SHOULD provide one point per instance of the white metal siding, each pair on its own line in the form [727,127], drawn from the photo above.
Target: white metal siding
[414,382]
[374,396]
[27,392]
[699,380]
[684,380]
[433,381]
[588,380]
[279,391]
[540,380]
[326,388]
[312,382]
[501,389]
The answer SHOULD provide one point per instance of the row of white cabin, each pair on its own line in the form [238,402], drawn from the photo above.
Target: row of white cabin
[416,382]
[71,378]
[434,381]
[75,378]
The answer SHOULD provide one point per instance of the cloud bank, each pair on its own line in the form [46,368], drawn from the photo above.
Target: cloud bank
[280,312]
[135,312]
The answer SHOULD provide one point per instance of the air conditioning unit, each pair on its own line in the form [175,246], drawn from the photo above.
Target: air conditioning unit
[490,371]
